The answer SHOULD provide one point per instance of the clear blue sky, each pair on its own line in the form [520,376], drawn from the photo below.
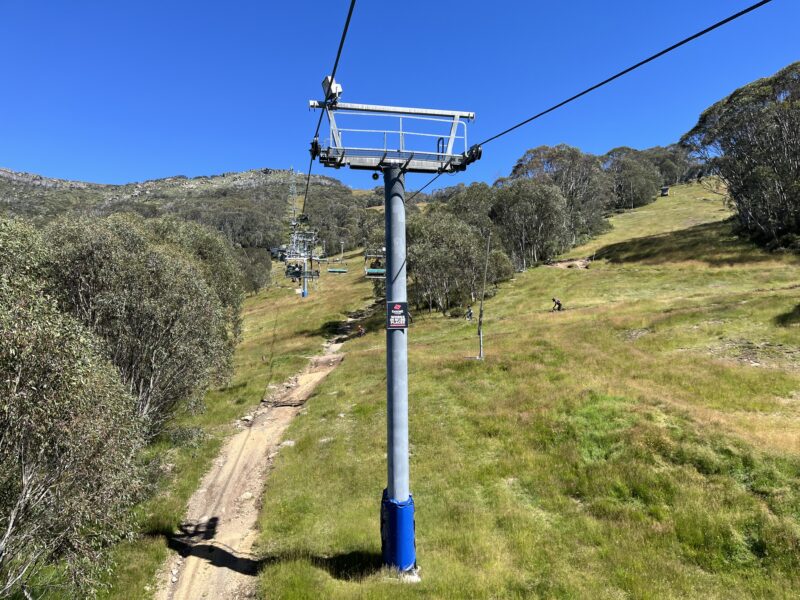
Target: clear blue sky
[124,91]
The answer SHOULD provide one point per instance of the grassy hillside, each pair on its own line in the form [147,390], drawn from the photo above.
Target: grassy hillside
[280,333]
[643,443]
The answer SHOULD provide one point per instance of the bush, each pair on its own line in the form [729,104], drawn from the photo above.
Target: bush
[216,258]
[164,326]
[256,267]
[68,431]
[457,312]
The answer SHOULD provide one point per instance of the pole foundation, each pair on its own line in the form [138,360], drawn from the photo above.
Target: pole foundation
[398,547]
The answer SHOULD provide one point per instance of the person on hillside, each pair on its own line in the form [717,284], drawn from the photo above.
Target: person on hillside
[556,305]
[468,314]
[361,332]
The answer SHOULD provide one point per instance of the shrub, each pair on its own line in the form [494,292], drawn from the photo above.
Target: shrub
[217,260]
[164,327]
[68,431]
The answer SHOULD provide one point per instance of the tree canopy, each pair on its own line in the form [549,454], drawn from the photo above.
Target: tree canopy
[167,310]
[751,140]
[69,432]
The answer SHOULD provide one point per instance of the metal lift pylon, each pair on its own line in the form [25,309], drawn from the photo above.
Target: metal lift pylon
[299,252]
[422,141]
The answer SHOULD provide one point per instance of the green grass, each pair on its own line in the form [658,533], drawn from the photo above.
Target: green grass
[643,443]
[280,333]
[687,206]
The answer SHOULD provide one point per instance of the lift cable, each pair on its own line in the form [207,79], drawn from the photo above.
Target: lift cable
[321,113]
[675,46]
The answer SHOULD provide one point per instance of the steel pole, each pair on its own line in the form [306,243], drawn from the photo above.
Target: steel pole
[397,508]
[304,287]
[396,340]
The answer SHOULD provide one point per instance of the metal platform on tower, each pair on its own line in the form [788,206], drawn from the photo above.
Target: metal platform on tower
[417,140]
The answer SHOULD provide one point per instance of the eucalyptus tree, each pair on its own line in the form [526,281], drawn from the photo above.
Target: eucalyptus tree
[634,179]
[336,213]
[444,260]
[531,218]
[751,140]
[673,162]
[473,205]
[164,325]
[579,178]
[69,434]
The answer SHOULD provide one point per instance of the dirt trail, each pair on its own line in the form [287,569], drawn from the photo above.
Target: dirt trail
[215,542]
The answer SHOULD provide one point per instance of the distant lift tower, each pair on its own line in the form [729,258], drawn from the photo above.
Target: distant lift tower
[395,141]
[299,252]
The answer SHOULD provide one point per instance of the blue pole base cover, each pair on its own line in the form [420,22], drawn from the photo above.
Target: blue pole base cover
[397,533]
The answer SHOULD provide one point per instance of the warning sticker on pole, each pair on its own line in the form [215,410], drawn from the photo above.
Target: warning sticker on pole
[397,315]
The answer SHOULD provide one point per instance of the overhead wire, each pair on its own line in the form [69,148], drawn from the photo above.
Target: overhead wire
[596,86]
[321,113]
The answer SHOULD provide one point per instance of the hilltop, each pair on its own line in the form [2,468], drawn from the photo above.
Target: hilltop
[36,196]
[248,208]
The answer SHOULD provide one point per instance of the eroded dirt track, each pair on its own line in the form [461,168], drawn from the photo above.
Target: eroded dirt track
[214,546]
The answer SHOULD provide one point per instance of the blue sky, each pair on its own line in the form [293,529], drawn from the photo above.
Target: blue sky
[124,91]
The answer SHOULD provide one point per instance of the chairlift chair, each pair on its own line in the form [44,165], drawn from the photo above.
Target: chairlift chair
[376,269]
[297,272]
[294,271]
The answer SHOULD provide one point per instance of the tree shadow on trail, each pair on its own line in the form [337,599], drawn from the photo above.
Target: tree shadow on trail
[789,319]
[198,541]
[712,243]
[371,318]
[328,329]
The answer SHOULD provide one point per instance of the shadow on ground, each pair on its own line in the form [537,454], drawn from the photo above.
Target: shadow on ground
[789,319]
[370,318]
[328,329]
[198,541]
[712,243]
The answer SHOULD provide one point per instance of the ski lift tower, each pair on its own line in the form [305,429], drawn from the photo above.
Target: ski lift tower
[298,254]
[395,141]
